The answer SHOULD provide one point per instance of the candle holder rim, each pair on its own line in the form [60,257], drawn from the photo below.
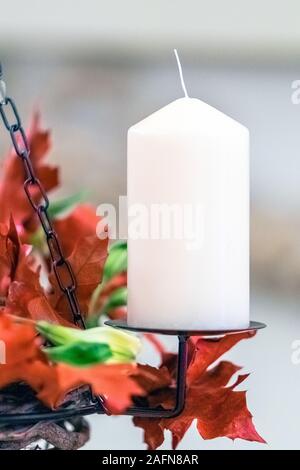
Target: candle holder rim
[122,324]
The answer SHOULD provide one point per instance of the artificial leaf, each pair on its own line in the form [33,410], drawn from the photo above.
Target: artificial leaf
[116,262]
[220,410]
[104,299]
[23,357]
[87,261]
[9,255]
[81,223]
[20,279]
[206,351]
[117,299]
[27,301]
[20,341]
[61,206]
[101,297]
[153,432]
[56,209]
[124,346]
[152,378]
[53,382]
[13,199]
[25,361]
[112,381]
[21,275]
[80,354]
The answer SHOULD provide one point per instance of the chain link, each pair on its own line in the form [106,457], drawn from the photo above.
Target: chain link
[39,201]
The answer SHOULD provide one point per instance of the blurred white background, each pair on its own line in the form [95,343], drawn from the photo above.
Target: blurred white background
[94,68]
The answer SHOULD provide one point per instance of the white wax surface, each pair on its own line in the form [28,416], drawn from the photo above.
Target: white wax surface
[191,153]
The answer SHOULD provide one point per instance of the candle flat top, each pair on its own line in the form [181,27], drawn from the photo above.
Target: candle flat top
[189,115]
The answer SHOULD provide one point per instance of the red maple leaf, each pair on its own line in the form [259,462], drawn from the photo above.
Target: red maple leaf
[219,409]
[87,260]
[20,288]
[19,341]
[25,362]
[13,199]
[82,222]
[9,255]
[25,300]
[113,381]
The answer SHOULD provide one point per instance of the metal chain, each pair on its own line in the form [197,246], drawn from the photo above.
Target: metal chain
[35,192]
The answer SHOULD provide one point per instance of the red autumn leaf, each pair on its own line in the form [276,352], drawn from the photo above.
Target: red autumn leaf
[114,382]
[220,410]
[153,433]
[87,261]
[151,378]
[20,279]
[26,362]
[9,255]
[26,301]
[82,222]
[206,351]
[19,341]
[23,357]
[15,262]
[13,199]
[53,382]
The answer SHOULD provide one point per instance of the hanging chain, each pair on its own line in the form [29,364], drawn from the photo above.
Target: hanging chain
[61,267]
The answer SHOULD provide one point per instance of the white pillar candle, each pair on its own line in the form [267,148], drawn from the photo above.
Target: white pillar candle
[189,154]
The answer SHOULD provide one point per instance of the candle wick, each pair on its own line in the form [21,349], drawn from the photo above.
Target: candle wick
[181,74]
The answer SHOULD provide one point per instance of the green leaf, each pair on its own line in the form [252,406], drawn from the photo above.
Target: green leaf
[123,346]
[61,206]
[116,262]
[58,334]
[117,299]
[80,354]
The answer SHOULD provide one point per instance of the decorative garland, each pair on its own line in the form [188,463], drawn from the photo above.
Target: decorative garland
[34,314]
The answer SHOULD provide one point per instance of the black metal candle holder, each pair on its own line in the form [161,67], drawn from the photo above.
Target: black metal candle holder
[183,336]
[97,407]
